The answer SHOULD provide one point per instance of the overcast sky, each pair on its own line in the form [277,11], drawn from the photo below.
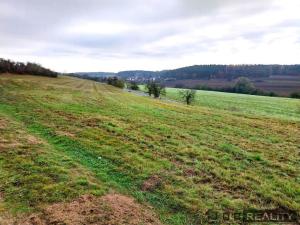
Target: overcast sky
[114,35]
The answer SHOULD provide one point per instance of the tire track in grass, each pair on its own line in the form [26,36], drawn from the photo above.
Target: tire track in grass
[109,174]
[104,170]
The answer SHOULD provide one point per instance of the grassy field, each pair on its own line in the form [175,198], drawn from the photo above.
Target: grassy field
[65,137]
[248,105]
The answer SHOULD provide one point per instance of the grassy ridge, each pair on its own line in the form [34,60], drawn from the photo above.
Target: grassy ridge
[205,157]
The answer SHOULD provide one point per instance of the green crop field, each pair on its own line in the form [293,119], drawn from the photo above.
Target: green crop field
[61,138]
[248,105]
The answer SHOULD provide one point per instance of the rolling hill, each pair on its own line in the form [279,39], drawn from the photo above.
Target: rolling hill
[76,151]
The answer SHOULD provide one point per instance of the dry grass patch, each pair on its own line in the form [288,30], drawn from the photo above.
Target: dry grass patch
[111,209]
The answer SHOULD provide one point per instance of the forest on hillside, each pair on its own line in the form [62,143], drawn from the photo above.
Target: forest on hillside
[204,72]
[231,71]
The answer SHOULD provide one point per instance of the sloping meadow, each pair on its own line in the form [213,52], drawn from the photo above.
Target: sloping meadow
[63,138]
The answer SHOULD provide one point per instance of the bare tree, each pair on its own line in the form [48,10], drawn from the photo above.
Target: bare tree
[188,95]
[149,88]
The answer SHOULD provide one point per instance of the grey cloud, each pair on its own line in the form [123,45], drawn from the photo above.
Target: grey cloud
[42,24]
[47,15]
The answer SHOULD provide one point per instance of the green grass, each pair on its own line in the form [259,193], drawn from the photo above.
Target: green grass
[33,173]
[95,138]
[249,105]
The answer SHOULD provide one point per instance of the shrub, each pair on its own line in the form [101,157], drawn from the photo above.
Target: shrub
[134,86]
[155,89]
[244,86]
[115,81]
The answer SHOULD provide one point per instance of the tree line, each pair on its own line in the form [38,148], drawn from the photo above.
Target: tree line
[230,72]
[213,71]
[8,66]
[242,86]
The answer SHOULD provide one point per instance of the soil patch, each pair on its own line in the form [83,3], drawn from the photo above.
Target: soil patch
[3,124]
[151,183]
[111,209]
[33,140]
